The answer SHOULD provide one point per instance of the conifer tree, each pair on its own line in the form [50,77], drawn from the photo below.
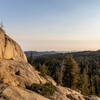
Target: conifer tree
[44,70]
[71,72]
[31,59]
[85,82]
[59,73]
[97,85]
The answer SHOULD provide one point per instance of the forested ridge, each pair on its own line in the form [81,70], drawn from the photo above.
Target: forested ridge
[77,70]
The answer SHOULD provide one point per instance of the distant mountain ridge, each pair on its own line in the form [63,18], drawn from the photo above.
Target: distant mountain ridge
[36,53]
[41,53]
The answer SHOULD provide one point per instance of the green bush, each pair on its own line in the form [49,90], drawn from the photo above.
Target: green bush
[46,89]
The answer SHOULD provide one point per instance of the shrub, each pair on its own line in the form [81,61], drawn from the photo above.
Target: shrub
[46,89]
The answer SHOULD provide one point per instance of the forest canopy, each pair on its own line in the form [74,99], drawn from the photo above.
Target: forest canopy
[77,70]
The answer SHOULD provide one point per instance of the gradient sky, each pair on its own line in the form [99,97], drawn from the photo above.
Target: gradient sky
[61,25]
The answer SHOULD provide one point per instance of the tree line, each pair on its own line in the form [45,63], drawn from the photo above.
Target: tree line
[78,71]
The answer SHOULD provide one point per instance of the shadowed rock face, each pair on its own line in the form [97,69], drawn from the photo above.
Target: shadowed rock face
[9,49]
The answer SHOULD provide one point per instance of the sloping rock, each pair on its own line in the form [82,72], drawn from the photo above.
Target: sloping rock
[91,98]
[63,93]
[17,93]
[19,73]
[9,49]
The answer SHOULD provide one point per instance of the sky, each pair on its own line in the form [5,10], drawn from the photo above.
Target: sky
[46,25]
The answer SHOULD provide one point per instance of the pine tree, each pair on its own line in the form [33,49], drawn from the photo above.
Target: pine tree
[71,72]
[31,59]
[97,85]
[85,82]
[59,73]
[44,70]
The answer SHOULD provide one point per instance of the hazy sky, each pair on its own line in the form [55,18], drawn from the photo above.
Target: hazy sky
[52,24]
